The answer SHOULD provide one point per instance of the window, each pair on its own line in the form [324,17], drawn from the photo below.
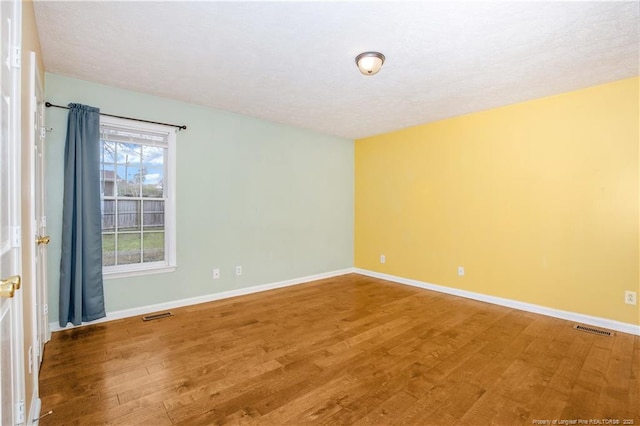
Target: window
[137,191]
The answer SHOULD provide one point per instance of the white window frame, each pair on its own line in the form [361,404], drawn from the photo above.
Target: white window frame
[169,189]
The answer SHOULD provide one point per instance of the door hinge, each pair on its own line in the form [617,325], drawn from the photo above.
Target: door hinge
[16,57]
[20,411]
[16,240]
[43,132]
[45,309]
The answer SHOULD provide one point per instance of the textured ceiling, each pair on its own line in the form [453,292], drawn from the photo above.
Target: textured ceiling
[293,62]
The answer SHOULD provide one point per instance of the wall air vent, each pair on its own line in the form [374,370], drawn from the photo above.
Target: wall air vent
[594,330]
[157,316]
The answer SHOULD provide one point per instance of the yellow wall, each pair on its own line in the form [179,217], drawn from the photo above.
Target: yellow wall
[538,201]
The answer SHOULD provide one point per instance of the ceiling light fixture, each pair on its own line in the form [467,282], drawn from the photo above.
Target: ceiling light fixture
[369,63]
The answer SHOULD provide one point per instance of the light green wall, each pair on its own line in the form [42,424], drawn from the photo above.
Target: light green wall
[275,199]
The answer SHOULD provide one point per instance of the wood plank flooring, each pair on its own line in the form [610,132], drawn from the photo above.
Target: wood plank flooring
[346,350]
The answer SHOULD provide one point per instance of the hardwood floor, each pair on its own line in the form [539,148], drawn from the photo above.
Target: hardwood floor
[346,350]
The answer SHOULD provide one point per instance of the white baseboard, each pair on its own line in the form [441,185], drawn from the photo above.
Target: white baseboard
[126,313]
[523,306]
[529,307]
[47,333]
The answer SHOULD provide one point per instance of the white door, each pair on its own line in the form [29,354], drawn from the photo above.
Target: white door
[40,239]
[35,295]
[11,360]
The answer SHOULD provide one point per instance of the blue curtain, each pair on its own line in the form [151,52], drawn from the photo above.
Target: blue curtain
[81,291]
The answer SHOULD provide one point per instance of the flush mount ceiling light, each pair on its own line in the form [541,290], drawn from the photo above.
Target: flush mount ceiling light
[370,63]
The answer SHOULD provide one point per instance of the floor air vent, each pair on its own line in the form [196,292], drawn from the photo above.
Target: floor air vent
[594,330]
[157,316]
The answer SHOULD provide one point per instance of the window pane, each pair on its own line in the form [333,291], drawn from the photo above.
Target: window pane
[152,185]
[107,168]
[108,152]
[128,153]
[108,215]
[108,250]
[153,215]
[129,169]
[128,248]
[128,215]
[153,170]
[107,180]
[153,156]
[153,243]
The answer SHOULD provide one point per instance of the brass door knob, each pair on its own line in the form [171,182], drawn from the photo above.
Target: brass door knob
[9,286]
[43,240]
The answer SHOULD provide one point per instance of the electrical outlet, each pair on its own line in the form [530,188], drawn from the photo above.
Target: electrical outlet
[238,270]
[460,271]
[383,258]
[630,297]
[216,273]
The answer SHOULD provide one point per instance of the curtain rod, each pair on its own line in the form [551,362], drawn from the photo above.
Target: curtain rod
[49,104]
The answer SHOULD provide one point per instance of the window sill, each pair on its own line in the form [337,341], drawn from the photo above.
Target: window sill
[138,272]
